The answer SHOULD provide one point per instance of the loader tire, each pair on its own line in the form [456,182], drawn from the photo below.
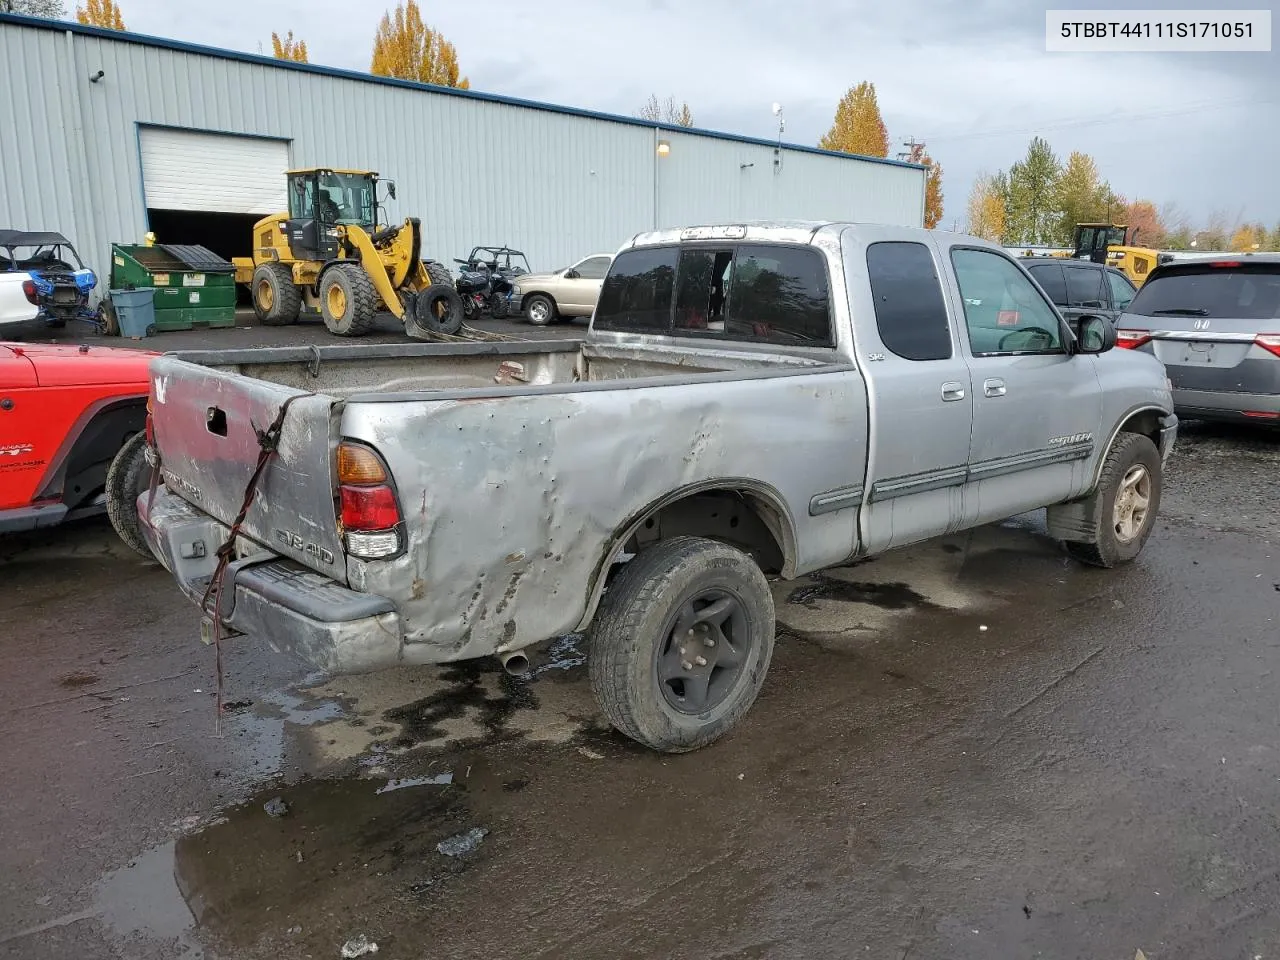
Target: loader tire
[276,300]
[128,478]
[681,643]
[348,301]
[438,272]
[438,309]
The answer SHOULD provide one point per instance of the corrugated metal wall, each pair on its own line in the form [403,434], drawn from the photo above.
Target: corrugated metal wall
[555,185]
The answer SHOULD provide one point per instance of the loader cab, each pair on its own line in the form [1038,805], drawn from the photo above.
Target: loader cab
[1092,240]
[321,200]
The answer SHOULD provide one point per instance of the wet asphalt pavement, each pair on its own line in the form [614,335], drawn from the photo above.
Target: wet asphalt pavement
[1096,772]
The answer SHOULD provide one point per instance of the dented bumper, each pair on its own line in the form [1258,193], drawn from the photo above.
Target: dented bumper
[294,609]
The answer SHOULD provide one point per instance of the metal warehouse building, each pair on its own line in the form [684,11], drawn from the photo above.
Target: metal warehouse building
[108,135]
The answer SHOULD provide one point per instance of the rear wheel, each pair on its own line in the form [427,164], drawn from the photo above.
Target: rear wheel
[682,643]
[1122,510]
[276,300]
[539,310]
[348,302]
[128,478]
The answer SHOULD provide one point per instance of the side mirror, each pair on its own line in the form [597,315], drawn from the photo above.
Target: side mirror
[1097,335]
[572,275]
[391,189]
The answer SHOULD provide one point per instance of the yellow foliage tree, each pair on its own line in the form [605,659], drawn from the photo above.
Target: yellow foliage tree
[932,192]
[287,48]
[666,112]
[407,48]
[986,210]
[858,127]
[100,13]
[1246,237]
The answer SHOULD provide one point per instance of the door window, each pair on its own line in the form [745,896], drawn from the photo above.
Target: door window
[1004,312]
[1122,290]
[1049,276]
[593,268]
[1084,288]
[911,314]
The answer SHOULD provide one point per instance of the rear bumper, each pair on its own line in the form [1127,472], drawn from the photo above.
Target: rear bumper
[296,610]
[1225,405]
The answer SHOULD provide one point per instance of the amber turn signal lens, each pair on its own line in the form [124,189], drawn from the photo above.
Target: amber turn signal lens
[359,465]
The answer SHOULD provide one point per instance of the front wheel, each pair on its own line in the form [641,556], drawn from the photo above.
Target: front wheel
[682,643]
[1122,510]
[539,310]
[128,478]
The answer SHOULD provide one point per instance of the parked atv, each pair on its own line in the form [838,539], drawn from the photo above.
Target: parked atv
[486,281]
[55,280]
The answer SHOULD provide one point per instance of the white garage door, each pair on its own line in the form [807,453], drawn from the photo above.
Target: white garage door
[186,170]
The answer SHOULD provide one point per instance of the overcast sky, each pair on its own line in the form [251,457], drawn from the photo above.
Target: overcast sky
[969,77]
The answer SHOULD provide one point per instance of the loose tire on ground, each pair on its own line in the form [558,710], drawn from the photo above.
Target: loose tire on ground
[539,310]
[1125,504]
[277,301]
[680,602]
[128,477]
[348,301]
[438,309]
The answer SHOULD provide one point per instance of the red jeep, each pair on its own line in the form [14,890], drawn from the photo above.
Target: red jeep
[72,422]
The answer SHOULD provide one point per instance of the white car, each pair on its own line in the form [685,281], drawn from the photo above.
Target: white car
[18,309]
[568,292]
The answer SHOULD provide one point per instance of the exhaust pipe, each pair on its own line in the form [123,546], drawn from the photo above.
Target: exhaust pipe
[515,663]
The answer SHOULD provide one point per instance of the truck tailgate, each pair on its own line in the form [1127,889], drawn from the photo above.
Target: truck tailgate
[206,424]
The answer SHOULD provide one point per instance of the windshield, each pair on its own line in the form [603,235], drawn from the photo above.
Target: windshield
[1246,292]
[346,198]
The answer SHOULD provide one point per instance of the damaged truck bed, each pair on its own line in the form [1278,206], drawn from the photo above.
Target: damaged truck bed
[746,404]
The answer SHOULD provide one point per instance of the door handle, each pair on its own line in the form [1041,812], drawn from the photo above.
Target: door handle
[952,391]
[993,388]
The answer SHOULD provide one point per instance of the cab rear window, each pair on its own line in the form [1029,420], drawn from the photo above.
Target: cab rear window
[1245,292]
[755,292]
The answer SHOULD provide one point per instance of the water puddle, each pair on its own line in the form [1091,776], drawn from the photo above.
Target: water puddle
[886,596]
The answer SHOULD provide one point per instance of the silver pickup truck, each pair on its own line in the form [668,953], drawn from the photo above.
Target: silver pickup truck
[750,400]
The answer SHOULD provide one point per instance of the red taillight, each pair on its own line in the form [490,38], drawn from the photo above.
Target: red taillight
[370,512]
[1269,342]
[1261,414]
[29,291]
[369,508]
[1225,263]
[1131,339]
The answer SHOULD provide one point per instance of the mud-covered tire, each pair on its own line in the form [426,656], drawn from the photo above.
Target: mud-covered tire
[634,633]
[1130,456]
[438,309]
[277,301]
[127,478]
[352,314]
[540,310]
[498,306]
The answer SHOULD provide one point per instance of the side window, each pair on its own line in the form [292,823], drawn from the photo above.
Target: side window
[1084,287]
[779,295]
[702,289]
[1004,312]
[1122,290]
[636,295]
[911,313]
[1049,276]
[593,268]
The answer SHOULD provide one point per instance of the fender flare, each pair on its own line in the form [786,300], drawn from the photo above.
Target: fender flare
[774,515]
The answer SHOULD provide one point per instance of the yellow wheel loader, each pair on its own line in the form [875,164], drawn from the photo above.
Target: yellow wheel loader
[328,252]
[1112,244]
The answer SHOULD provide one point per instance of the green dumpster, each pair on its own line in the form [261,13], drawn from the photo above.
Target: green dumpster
[194,287]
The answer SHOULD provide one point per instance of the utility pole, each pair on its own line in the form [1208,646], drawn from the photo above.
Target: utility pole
[914,152]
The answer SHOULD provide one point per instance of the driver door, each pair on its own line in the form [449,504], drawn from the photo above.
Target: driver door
[1037,409]
[582,291]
